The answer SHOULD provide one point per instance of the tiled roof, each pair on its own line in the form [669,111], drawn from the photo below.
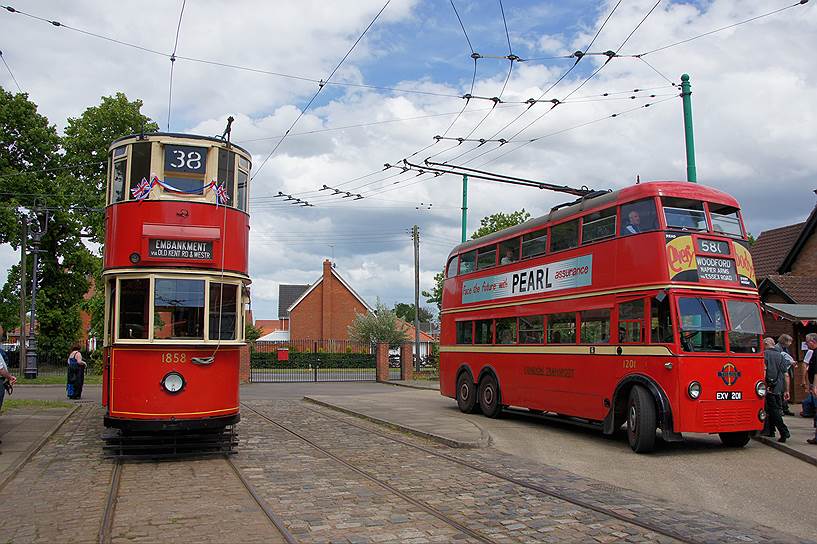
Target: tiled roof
[287,294]
[801,289]
[771,248]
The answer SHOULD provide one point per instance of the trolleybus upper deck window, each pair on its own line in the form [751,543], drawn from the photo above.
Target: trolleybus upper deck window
[531,329]
[599,225]
[702,324]
[746,326]
[468,262]
[564,235]
[684,213]
[486,257]
[638,216]
[725,219]
[562,328]
[534,243]
[506,330]
[178,309]
[223,315]
[595,327]
[133,308]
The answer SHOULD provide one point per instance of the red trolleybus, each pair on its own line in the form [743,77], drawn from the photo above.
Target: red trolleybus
[637,307]
[175,278]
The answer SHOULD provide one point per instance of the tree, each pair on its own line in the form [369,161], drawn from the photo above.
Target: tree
[489,224]
[380,326]
[406,312]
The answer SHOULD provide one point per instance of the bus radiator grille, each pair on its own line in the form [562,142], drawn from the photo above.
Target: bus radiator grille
[728,416]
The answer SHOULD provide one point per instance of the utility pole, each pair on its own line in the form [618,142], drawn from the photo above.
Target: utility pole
[23,241]
[686,94]
[464,204]
[31,354]
[415,233]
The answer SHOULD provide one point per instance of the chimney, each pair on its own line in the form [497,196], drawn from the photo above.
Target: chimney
[326,307]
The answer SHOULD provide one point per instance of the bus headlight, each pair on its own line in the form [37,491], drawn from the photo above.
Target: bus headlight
[760,389]
[173,382]
[761,415]
[694,390]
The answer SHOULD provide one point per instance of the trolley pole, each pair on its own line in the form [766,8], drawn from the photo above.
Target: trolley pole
[464,204]
[415,232]
[686,93]
[23,241]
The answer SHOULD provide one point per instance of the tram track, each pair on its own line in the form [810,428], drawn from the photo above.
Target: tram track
[552,493]
[106,526]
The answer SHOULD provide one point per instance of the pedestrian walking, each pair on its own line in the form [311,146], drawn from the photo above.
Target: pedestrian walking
[810,402]
[784,342]
[76,374]
[811,343]
[777,389]
[7,380]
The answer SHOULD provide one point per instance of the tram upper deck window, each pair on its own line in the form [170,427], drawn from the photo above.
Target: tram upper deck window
[133,309]
[226,173]
[184,168]
[746,327]
[243,186]
[178,309]
[564,235]
[702,324]
[139,165]
[486,257]
[599,225]
[534,243]
[468,262]
[119,171]
[725,219]
[684,213]
[638,216]
[223,315]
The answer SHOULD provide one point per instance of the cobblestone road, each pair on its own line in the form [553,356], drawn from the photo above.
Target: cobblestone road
[389,491]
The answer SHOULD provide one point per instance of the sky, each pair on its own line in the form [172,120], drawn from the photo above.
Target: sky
[753,107]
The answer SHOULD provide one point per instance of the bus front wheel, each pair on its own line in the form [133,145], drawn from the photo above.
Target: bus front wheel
[734,440]
[466,394]
[489,400]
[641,420]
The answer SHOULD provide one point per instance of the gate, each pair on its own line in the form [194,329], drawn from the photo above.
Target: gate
[316,361]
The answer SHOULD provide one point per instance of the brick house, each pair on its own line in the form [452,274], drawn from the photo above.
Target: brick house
[785,261]
[325,309]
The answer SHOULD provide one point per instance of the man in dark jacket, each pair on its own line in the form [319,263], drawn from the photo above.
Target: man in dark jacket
[777,389]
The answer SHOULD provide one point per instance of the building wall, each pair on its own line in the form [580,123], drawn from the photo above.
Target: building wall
[806,262]
[326,312]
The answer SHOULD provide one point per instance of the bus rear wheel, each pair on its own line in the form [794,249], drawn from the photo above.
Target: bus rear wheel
[466,394]
[489,399]
[641,420]
[734,440]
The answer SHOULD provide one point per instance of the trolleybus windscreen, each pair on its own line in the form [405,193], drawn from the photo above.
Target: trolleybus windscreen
[702,324]
[746,327]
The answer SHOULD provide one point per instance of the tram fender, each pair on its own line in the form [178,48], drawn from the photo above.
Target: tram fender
[615,417]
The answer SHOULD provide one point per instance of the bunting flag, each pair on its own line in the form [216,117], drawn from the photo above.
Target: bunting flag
[142,191]
[805,322]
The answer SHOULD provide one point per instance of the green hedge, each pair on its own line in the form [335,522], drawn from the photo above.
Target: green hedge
[307,360]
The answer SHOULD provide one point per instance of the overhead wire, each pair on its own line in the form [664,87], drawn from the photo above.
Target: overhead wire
[10,72]
[320,87]
[173,64]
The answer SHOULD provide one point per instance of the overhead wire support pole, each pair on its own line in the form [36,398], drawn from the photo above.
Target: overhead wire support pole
[464,204]
[23,240]
[686,94]
[416,235]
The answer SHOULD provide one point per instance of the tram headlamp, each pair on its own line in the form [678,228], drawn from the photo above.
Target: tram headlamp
[760,389]
[173,382]
[694,390]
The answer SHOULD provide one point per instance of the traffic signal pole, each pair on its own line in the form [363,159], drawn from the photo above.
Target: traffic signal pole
[686,93]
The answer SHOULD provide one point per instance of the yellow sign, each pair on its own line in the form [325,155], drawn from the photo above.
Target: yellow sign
[743,260]
[680,256]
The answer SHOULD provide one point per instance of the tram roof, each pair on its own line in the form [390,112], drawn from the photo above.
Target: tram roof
[213,139]
[681,189]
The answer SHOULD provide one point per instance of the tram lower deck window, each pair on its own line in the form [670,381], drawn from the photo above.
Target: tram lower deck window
[223,316]
[134,308]
[178,309]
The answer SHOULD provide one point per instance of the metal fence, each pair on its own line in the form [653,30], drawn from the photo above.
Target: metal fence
[314,361]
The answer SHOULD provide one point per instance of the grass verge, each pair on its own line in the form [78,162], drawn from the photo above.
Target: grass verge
[12,404]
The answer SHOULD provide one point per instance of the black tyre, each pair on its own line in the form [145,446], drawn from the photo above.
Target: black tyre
[466,394]
[641,420]
[489,396]
[734,440]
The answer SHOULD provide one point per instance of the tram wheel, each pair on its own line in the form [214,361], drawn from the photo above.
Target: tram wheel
[489,397]
[466,394]
[734,440]
[641,420]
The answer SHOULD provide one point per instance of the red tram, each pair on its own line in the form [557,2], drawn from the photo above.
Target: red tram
[175,277]
[637,307]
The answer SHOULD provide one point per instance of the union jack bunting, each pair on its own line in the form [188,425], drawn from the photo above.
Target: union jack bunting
[221,194]
[142,191]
